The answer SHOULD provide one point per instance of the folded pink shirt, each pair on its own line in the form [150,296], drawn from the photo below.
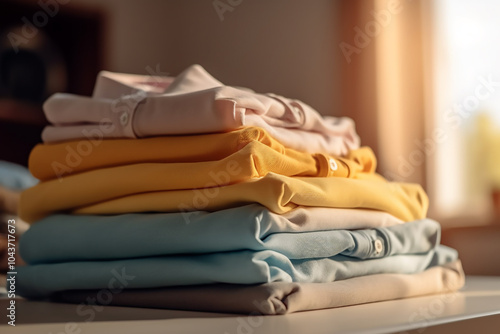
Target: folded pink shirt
[128,106]
[111,85]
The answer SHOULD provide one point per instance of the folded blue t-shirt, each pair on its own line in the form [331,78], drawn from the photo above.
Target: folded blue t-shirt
[240,267]
[16,177]
[63,238]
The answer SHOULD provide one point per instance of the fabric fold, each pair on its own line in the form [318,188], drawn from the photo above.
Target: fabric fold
[246,228]
[195,102]
[281,298]
[252,161]
[48,161]
[241,267]
[111,85]
[15,177]
[280,194]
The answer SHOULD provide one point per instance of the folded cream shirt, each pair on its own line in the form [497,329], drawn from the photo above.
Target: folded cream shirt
[194,102]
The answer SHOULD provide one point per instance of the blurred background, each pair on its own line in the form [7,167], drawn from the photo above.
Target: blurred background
[421,79]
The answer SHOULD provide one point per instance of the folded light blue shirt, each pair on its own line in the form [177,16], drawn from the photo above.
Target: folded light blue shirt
[63,238]
[16,177]
[239,267]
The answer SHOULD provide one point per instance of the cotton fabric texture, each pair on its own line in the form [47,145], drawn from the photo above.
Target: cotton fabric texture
[283,298]
[238,267]
[246,228]
[195,103]
[147,190]
[182,192]
[250,146]
[15,177]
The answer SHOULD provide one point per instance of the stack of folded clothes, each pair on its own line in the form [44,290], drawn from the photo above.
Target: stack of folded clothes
[185,193]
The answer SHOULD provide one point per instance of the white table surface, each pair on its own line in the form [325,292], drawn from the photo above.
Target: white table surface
[479,298]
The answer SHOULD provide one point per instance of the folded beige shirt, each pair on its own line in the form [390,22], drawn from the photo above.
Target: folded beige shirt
[281,298]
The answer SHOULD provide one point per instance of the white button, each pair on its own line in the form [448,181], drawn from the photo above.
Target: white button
[379,247]
[333,165]
[124,119]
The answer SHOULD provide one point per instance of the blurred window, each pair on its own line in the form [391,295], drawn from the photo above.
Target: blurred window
[465,168]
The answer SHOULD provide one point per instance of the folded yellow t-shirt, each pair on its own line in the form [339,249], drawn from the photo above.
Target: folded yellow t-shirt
[49,161]
[252,161]
[145,192]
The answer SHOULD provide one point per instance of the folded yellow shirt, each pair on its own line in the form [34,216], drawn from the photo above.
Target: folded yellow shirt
[252,161]
[49,161]
[146,193]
